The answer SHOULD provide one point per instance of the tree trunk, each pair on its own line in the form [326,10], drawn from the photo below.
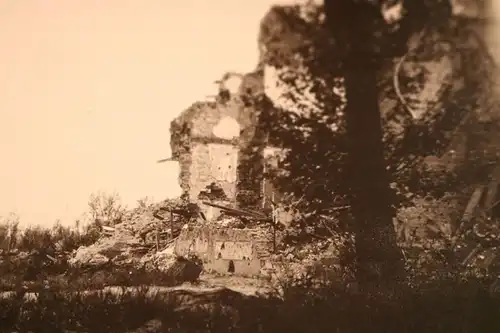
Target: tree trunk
[378,258]
[378,255]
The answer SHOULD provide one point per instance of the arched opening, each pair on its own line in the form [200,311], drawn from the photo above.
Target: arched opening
[227,128]
[230,268]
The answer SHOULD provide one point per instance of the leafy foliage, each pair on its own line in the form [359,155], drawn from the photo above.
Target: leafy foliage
[106,208]
[309,116]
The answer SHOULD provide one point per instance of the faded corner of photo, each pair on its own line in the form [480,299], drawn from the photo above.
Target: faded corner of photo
[486,15]
[484,19]
[492,33]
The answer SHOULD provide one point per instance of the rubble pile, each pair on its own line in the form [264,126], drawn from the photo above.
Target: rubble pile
[135,241]
[316,262]
[145,239]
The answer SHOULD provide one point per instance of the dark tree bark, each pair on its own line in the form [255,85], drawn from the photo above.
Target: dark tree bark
[355,26]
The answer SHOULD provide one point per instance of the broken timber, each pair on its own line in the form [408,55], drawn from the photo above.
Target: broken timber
[240,212]
[469,212]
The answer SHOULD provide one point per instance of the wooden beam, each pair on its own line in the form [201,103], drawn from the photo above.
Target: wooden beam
[169,159]
[469,212]
[216,140]
[237,211]
[491,196]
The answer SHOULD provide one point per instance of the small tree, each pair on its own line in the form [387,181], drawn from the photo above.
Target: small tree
[35,238]
[144,202]
[105,208]
[9,228]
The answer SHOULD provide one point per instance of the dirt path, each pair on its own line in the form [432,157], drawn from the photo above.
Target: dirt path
[207,285]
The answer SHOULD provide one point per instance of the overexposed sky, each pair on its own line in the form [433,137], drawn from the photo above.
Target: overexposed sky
[88,90]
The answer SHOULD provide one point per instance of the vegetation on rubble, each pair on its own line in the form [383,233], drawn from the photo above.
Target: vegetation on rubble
[36,258]
[61,238]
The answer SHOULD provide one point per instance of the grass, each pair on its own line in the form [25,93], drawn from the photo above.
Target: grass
[450,306]
[16,273]
[64,311]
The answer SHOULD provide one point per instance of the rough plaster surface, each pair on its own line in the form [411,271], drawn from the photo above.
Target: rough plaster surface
[223,162]
[208,118]
[231,250]
[213,163]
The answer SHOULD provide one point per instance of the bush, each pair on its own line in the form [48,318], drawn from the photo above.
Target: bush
[60,238]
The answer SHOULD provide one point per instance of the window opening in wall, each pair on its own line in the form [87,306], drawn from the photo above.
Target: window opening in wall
[230,267]
[227,128]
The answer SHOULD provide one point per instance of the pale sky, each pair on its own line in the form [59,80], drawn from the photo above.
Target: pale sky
[88,90]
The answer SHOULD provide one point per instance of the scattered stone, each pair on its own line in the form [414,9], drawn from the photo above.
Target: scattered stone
[86,256]
[133,241]
[161,261]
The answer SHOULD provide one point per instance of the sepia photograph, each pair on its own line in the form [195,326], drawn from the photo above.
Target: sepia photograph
[262,166]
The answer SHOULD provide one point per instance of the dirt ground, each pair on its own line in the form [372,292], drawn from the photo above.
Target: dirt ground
[207,284]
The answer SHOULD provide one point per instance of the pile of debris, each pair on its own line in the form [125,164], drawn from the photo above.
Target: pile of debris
[141,237]
[146,240]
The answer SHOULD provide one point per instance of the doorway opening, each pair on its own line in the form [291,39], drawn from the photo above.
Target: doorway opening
[230,267]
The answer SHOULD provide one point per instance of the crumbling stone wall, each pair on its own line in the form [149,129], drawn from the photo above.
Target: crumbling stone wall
[203,157]
[180,143]
[243,252]
[206,155]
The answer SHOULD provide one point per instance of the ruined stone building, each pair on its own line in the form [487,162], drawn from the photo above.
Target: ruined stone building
[243,252]
[223,143]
